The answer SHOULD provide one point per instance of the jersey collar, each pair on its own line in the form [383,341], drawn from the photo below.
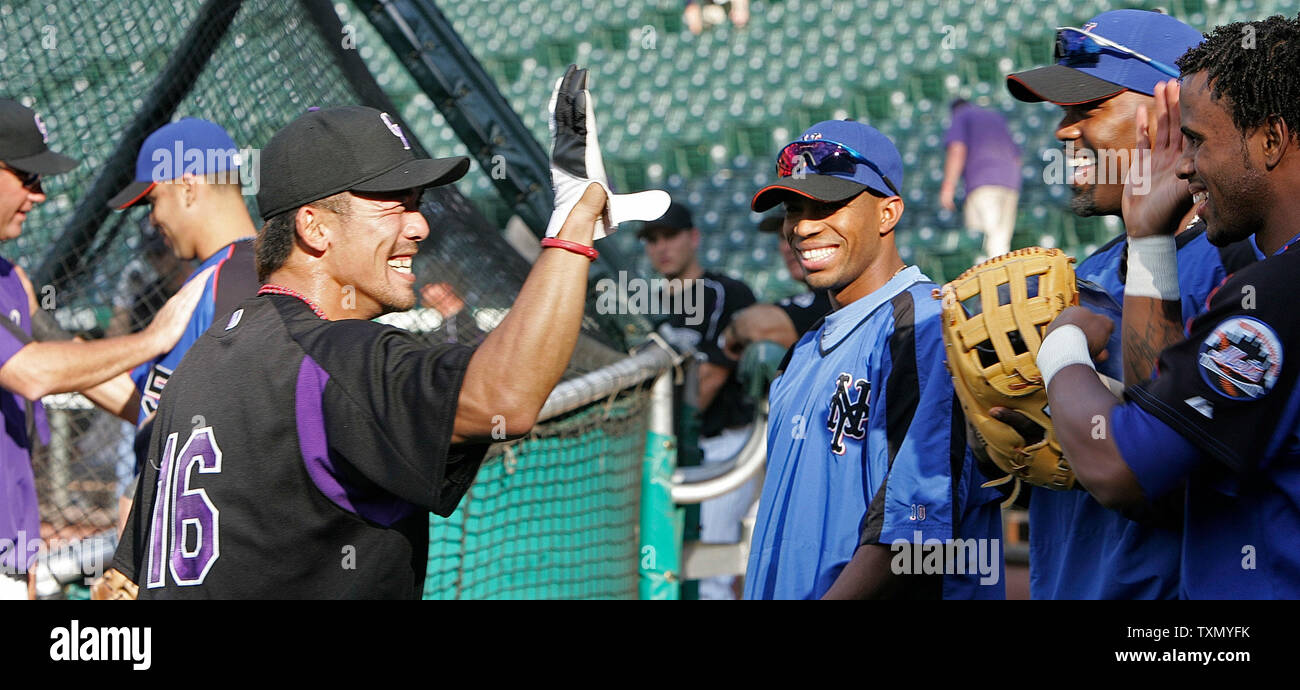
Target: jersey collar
[1259,253]
[217,257]
[840,323]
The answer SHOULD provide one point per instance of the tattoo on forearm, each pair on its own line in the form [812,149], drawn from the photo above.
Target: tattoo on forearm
[1145,338]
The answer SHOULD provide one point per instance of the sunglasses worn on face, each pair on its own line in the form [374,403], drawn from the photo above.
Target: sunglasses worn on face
[1075,45]
[823,157]
[30,181]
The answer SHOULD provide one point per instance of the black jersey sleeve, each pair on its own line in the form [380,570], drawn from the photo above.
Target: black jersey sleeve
[725,296]
[389,404]
[1226,387]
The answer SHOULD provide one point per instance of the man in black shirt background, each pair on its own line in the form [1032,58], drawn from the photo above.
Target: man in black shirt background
[672,243]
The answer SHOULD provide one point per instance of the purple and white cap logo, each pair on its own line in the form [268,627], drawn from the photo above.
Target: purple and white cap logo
[40,125]
[396,129]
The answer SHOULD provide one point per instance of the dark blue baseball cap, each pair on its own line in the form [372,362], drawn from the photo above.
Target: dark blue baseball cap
[189,145]
[876,166]
[1100,71]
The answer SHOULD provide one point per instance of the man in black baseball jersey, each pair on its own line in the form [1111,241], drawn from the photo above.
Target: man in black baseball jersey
[672,243]
[300,446]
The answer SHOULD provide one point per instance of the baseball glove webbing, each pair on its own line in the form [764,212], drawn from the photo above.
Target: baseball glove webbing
[994,315]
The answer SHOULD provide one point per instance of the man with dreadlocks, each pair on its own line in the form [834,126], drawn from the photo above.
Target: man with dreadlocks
[1223,409]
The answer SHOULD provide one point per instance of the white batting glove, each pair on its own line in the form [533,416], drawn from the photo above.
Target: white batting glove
[576,161]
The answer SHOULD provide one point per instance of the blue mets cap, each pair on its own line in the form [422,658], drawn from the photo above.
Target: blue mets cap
[188,146]
[834,161]
[1117,51]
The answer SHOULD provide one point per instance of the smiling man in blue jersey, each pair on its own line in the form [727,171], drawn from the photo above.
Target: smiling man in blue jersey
[188,172]
[866,450]
[1078,549]
[1222,414]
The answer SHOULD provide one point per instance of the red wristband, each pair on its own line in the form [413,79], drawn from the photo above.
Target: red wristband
[589,252]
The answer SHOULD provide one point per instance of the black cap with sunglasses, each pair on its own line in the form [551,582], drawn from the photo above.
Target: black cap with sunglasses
[23,147]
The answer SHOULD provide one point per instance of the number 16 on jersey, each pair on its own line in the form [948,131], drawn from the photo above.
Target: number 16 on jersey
[184,535]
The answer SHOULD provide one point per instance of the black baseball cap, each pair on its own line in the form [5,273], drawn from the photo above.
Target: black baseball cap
[349,148]
[23,142]
[675,219]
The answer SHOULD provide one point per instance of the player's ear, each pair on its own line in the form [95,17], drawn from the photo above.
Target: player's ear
[311,225]
[891,210]
[1276,138]
[695,238]
[189,189]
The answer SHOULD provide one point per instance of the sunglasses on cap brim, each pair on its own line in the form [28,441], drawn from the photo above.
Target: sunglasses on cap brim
[1080,45]
[823,157]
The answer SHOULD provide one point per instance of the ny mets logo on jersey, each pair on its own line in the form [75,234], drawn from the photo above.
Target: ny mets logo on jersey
[847,417]
[1241,358]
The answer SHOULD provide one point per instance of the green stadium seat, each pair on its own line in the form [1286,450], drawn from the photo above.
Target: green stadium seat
[689,107]
[928,85]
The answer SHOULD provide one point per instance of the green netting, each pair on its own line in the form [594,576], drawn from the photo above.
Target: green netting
[551,516]
[88,69]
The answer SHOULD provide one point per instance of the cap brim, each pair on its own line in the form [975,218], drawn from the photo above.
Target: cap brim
[1060,85]
[129,196]
[651,228]
[417,173]
[819,187]
[44,163]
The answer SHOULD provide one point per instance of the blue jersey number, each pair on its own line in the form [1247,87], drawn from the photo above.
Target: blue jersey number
[185,530]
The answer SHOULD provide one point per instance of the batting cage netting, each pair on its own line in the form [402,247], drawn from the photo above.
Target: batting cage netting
[547,516]
[554,515]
